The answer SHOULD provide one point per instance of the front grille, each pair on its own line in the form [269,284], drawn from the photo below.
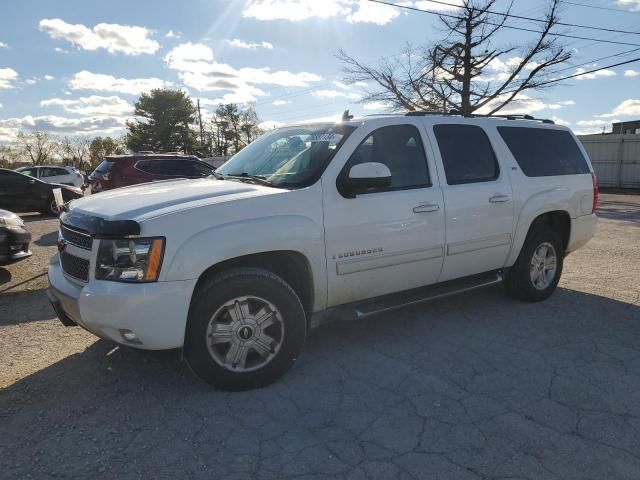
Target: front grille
[76,238]
[75,267]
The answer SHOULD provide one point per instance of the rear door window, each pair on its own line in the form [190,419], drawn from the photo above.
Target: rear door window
[467,154]
[105,166]
[544,152]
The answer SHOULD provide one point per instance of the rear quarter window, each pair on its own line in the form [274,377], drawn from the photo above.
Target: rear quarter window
[544,152]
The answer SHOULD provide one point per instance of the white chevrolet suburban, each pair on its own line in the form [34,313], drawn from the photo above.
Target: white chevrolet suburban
[319,221]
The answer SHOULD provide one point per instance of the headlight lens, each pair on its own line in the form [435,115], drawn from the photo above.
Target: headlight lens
[12,222]
[130,260]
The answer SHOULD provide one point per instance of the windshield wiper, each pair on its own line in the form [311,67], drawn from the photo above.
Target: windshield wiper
[244,176]
[216,175]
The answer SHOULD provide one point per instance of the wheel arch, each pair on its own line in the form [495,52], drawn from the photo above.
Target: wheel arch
[292,266]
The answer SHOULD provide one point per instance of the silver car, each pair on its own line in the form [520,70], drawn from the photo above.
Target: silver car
[54,174]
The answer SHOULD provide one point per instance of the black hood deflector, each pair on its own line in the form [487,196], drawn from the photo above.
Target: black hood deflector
[100,227]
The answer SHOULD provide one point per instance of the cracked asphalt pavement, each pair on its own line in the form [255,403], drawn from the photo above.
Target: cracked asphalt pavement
[476,386]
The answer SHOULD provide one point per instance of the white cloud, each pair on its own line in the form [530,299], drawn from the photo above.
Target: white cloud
[353,11]
[3,45]
[633,5]
[56,124]
[426,5]
[197,69]
[590,76]
[130,40]
[523,104]
[85,80]
[560,121]
[92,105]
[279,103]
[629,107]
[559,105]
[270,124]
[31,81]
[631,73]
[49,77]
[172,34]
[595,123]
[7,77]
[346,86]
[249,45]
[369,12]
[295,10]
[336,94]
[60,50]
[376,106]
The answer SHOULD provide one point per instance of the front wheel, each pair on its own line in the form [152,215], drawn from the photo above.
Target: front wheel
[246,328]
[51,207]
[536,273]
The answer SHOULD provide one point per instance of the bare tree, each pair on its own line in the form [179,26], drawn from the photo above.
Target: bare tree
[74,151]
[465,71]
[37,147]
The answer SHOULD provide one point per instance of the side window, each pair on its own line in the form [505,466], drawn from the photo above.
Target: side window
[400,148]
[32,172]
[543,152]
[60,171]
[47,172]
[467,154]
[155,167]
[192,169]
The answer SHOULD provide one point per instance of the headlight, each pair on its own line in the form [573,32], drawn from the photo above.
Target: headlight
[130,260]
[12,222]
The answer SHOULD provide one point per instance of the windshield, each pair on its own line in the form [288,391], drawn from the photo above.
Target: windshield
[105,166]
[290,157]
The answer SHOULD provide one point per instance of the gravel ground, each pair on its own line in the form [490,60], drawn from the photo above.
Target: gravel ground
[472,387]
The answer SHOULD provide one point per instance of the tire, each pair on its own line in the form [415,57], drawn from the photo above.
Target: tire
[225,343]
[51,208]
[526,283]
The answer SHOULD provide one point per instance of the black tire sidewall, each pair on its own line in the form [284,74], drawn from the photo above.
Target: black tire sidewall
[221,289]
[519,281]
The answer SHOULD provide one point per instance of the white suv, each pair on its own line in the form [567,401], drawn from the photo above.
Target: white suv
[319,221]
[54,174]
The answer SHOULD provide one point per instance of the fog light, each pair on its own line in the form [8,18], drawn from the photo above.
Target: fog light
[130,337]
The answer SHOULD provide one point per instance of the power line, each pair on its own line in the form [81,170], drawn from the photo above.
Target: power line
[598,7]
[440,14]
[540,20]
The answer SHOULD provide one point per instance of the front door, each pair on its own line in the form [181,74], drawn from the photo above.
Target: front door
[478,199]
[390,239]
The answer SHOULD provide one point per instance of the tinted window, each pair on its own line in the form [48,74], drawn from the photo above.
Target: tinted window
[542,152]
[195,169]
[155,167]
[466,153]
[48,172]
[32,172]
[60,171]
[105,166]
[400,148]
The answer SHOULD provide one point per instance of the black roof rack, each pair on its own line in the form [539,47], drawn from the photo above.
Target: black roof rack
[474,115]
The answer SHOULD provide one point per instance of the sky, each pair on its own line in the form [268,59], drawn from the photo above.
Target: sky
[75,68]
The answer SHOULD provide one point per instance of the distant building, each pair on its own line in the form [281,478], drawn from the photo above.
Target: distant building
[632,126]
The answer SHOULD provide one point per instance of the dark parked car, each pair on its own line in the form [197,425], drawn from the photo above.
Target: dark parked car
[125,170]
[14,238]
[22,193]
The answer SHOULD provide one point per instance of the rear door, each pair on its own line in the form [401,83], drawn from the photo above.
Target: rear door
[479,211]
[14,190]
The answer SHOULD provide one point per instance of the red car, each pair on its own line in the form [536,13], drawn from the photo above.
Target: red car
[124,170]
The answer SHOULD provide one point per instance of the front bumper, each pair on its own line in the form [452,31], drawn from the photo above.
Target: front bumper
[156,313]
[14,245]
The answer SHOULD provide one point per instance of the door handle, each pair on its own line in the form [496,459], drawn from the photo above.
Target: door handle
[426,208]
[498,198]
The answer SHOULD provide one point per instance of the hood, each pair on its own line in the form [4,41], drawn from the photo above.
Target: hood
[158,198]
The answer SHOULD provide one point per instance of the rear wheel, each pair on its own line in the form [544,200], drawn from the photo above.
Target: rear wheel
[246,327]
[536,273]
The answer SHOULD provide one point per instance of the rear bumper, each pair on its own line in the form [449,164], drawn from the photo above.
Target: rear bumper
[156,313]
[582,230]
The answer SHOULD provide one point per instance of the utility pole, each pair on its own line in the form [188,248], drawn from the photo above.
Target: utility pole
[200,122]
